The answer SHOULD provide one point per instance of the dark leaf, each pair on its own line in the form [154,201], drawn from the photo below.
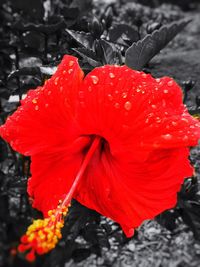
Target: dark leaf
[167,219]
[82,38]
[46,29]
[3,150]
[140,53]
[24,71]
[118,30]
[189,206]
[78,217]
[110,54]
[33,8]
[81,254]
[88,55]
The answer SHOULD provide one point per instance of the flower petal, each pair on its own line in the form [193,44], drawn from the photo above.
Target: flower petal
[54,173]
[132,110]
[131,192]
[44,121]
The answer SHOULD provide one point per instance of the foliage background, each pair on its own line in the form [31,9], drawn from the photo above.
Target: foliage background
[34,37]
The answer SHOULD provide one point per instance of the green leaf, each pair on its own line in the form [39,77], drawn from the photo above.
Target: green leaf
[141,52]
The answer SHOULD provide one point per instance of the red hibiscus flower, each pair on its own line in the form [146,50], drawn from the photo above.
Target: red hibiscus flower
[117,141]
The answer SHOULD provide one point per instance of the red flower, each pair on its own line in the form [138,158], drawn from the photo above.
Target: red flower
[132,130]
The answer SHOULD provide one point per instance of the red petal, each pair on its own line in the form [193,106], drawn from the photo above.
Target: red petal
[147,131]
[54,173]
[131,192]
[131,109]
[44,121]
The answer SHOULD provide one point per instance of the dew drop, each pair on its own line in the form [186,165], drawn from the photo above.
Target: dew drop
[46,105]
[138,90]
[110,97]
[174,123]
[70,71]
[36,107]
[143,92]
[167,136]
[153,106]
[144,75]
[157,80]
[185,120]
[165,91]
[147,120]
[117,105]
[111,75]
[116,92]
[71,63]
[56,80]
[95,79]
[124,95]
[64,72]
[170,83]
[128,105]
[185,138]
[34,101]
[49,92]
[61,88]
[158,119]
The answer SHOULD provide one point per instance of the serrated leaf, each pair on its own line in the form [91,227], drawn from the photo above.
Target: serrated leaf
[141,52]
[118,30]
[110,54]
[88,55]
[82,38]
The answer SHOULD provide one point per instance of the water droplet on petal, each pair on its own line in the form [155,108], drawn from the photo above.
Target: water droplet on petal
[144,75]
[111,75]
[95,79]
[46,105]
[49,92]
[116,92]
[170,83]
[185,138]
[124,94]
[34,101]
[70,71]
[64,72]
[185,120]
[128,105]
[165,91]
[157,80]
[117,105]
[36,107]
[174,123]
[61,88]
[158,119]
[56,80]
[110,97]
[167,136]
[71,63]
[153,106]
